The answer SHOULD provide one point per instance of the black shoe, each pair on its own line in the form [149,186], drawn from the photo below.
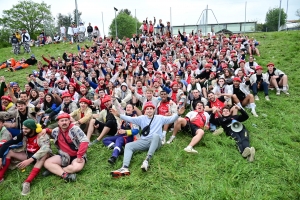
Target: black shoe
[46,173]
[70,178]
[112,160]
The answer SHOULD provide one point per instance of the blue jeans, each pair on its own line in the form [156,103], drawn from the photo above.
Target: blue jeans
[263,86]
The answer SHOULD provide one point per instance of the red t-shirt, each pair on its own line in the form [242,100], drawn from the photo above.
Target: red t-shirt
[32,145]
[174,96]
[163,108]
[63,145]
[140,91]
[199,120]
[219,104]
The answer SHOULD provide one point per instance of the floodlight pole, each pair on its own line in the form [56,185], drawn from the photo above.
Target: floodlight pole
[116,21]
[279,16]
[76,13]
[103,25]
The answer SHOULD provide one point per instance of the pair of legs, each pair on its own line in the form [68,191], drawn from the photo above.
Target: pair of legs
[248,100]
[197,133]
[243,144]
[53,164]
[281,81]
[117,142]
[110,127]
[21,156]
[263,87]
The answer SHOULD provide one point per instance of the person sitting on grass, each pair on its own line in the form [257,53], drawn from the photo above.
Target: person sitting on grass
[106,122]
[46,108]
[127,133]
[83,114]
[37,147]
[72,144]
[4,133]
[241,137]
[194,121]
[277,78]
[150,139]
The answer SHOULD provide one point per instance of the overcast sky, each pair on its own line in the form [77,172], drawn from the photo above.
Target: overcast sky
[183,12]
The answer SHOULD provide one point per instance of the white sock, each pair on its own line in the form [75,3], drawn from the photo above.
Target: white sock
[284,88]
[252,106]
[239,104]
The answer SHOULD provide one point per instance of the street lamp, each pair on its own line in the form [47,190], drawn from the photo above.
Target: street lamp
[116,21]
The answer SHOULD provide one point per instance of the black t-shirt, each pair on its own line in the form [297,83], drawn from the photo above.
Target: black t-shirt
[258,78]
[23,117]
[240,95]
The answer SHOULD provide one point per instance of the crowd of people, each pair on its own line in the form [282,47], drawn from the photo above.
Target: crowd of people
[133,94]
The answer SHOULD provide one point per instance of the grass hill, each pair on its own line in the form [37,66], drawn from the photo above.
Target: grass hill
[217,172]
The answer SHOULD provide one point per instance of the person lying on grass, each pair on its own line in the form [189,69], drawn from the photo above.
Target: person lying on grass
[150,140]
[240,136]
[37,147]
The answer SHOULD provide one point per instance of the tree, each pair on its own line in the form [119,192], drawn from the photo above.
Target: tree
[272,19]
[64,20]
[28,15]
[126,24]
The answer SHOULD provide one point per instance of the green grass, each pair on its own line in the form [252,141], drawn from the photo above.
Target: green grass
[217,172]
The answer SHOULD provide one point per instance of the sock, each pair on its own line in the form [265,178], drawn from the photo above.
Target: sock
[34,172]
[64,175]
[277,88]
[284,88]
[239,104]
[125,166]
[252,106]
[148,157]
[4,168]
[164,133]
[189,147]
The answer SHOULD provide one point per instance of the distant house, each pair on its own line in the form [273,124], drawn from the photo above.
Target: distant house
[291,25]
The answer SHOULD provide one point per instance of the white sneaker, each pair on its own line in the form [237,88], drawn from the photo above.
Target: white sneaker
[163,141]
[285,92]
[267,98]
[190,150]
[246,152]
[256,98]
[278,92]
[145,166]
[252,154]
[170,140]
[254,113]
[120,172]
[26,188]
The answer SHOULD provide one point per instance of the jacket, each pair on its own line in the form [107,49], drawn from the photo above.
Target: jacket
[124,96]
[77,115]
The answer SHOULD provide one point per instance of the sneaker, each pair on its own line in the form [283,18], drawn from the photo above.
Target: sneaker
[267,98]
[254,113]
[70,178]
[46,173]
[26,188]
[278,92]
[163,141]
[120,172]
[218,131]
[246,152]
[252,154]
[256,98]
[285,92]
[170,140]
[190,150]
[145,166]
[93,143]
[112,160]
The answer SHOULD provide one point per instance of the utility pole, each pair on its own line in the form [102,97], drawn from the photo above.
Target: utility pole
[279,16]
[76,13]
[287,6]
[116,21]
[135,21]
[245,16]
[103,25]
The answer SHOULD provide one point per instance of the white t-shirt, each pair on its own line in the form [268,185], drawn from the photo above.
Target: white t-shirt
[82,28]
[75,29]
[70,31]
[62,29]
